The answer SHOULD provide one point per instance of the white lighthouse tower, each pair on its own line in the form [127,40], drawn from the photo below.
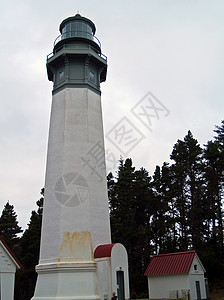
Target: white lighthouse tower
[75,215]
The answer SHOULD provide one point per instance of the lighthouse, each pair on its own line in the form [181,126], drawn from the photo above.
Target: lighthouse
[76,250]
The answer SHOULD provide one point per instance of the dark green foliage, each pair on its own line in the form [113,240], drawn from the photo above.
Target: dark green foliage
[30,242]
[211,262]
[161,220]
[25,285]
[219,138]
[214,173]
[30,247]
[187,173]
[129,198]
[179,208]
[9,227]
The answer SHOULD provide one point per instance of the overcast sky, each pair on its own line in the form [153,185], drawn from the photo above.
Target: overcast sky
[166,54]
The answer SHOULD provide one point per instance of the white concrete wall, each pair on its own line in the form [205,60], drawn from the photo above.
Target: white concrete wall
[161,286]
[107,268]
[197,275]
[7,276]
[7,285]
[119,262]
[104,277]
[76,212]
[75,128]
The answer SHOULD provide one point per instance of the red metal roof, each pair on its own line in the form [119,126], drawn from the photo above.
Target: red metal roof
[171,263]
[103,250]
[11,254]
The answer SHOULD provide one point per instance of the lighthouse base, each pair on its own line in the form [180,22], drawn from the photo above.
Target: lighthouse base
[66,281]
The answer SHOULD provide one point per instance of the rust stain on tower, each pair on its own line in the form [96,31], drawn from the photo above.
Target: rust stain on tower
[77,245]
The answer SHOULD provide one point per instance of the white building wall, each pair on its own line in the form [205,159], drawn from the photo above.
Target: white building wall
[161,286]
[104,277]
[107,268]
[7,286]
[197,275]
[119,262]
[7,276]
[193,292]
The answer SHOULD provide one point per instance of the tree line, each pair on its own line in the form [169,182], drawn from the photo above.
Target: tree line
[26,248]
[178,208]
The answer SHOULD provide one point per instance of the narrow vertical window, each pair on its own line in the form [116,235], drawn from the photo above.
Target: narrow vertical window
[91,76]
[61,75]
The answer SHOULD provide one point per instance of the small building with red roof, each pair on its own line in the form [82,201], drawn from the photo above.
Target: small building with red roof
[8,266]
[176,275]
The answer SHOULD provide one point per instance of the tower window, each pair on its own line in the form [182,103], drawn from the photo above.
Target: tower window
[61,75]
[91,76]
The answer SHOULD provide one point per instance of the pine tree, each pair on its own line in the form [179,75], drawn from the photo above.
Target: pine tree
[214,161]
[129,199]
[159,209]
[181,203]
[163,221]
[121,215]
[220,135]
[219,139]
[189,188]
[142,233]
[9,227]
[30,247]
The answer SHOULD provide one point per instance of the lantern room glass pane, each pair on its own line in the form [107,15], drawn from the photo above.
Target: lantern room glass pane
[77,29]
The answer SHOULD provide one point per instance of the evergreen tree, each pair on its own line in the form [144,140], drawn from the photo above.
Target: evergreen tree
[142,209]
[163,220]
[159,210]
[9,227]
[180,209]
[30,247]
[189,189]
[214,154]
[120,199]
[129,197]
[170,244]
[220,136]
[181,203]
[213,174]
[219,139]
